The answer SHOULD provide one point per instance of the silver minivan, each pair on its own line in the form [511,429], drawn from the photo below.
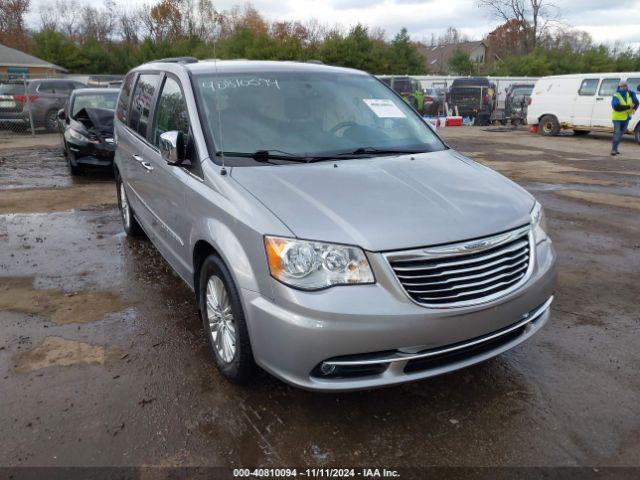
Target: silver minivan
[330,236]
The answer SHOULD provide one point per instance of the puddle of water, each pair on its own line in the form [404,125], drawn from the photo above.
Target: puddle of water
[58,351]
[19,295]
[34,200]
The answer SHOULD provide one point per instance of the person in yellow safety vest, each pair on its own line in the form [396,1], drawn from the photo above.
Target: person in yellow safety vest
[624,104]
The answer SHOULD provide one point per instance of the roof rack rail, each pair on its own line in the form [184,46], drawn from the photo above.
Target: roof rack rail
[316,62]
[176,60]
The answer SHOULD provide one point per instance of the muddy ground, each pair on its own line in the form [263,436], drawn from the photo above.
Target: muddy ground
[103,361]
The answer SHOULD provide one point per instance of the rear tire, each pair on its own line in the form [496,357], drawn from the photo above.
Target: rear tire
[549,126]
[581,132]
[131,226]
[223,321]
[637,134]
[51,121]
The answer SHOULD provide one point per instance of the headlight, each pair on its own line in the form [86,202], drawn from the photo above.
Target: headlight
[316,265]
[539,223]
[77,135]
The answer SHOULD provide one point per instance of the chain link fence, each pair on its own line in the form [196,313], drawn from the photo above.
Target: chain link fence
[29,106]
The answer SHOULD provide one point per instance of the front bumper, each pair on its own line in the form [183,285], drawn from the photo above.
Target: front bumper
[89,153]
[296,333]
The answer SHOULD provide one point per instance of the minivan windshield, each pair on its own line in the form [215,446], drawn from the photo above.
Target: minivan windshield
[308,114]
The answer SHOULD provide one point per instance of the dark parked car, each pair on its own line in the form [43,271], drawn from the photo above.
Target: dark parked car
[46,97]
[473,97]
[434,100]
[87,127]
[11,98]
[515,102]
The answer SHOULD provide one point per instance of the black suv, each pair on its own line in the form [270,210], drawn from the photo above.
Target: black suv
[473,97]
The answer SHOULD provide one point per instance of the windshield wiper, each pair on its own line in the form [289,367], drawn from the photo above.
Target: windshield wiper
[380,151]
[265,156]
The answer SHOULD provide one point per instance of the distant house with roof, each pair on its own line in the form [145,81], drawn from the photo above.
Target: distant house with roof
[437,57]
[15,63]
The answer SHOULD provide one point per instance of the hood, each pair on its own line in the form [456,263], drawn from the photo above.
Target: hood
[97,119]
[390,203]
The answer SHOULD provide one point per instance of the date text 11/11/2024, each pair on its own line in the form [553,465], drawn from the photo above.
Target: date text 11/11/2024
[316,473]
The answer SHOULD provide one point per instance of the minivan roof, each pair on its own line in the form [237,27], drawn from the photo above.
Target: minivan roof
[249,66]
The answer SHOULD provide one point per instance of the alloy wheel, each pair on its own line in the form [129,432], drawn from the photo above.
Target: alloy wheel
[222,326]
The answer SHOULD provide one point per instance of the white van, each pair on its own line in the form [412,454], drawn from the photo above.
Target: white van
[581,102]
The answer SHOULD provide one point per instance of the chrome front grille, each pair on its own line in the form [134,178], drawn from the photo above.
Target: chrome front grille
[465,273]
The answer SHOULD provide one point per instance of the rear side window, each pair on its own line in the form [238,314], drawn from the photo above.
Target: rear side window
[608,87]
[122,110]
[589,87]
[141,102]
[46,87]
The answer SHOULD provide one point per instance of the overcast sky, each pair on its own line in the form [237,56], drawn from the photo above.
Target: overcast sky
[605,21]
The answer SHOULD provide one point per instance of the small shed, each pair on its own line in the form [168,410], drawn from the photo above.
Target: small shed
[18,64]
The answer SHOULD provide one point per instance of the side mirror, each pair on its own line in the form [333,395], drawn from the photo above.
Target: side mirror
[172,147]
[61,114]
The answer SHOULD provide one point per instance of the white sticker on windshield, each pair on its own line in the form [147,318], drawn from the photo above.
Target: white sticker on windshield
[384,108]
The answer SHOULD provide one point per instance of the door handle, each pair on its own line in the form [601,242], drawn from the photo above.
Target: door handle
[599,99]
[146,165]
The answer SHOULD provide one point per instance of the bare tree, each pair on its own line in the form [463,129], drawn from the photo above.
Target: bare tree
[98,23]
[129,26]
[535,16]
[63,15]
[451,36]
[12,26]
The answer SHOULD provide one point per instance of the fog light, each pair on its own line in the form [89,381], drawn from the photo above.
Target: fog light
[327,369]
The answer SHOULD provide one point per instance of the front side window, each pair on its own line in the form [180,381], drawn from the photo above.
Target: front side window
[64,87]
[609,87]
[308,114]
[171,112]
[141,102]
[96,100]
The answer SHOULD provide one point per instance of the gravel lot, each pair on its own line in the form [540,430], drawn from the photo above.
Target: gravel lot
[103,361]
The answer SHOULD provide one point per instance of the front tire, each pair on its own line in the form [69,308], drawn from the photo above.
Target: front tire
[131,226]
[637,134]
[75,169]
[549,126]
[224,322]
